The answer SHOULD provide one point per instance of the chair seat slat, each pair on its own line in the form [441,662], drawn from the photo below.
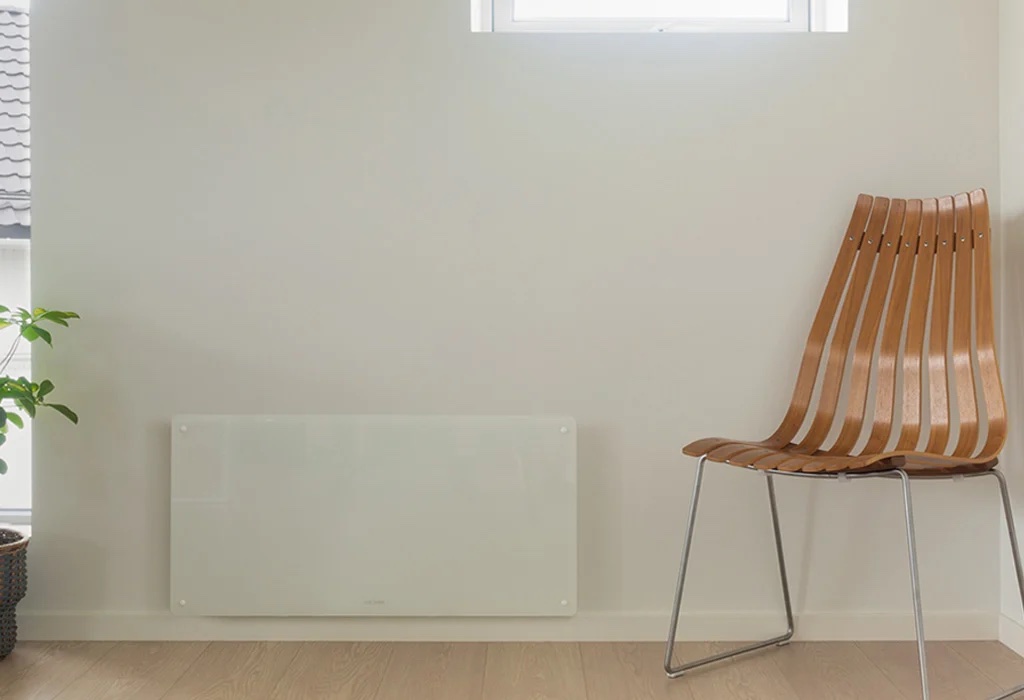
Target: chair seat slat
[838,353]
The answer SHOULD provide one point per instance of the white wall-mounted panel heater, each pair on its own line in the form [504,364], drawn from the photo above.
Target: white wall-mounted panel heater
[373,515]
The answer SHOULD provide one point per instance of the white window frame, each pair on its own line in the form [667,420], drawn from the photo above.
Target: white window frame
[20,517]
[17,516]
[804,16]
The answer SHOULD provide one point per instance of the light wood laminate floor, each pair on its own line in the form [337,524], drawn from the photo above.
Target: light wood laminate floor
[507,671]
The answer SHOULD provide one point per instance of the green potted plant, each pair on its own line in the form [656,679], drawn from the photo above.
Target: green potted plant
[20,398]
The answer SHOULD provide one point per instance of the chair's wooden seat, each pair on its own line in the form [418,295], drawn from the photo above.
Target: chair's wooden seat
[786,459]
[905,337]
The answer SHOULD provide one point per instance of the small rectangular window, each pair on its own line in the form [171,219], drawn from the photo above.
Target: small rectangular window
[659,15]
[15,232]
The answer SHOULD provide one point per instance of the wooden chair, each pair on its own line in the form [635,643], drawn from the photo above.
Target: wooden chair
[922,398]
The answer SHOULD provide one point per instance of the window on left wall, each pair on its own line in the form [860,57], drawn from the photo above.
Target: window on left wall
[15,237]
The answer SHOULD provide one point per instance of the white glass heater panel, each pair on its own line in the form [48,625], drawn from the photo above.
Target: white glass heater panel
[531,10]
[373,515]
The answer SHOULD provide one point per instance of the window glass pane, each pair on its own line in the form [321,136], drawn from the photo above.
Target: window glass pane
[16,485]
[526,10]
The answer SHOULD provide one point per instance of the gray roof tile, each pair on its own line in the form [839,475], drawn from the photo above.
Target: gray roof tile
[15,123]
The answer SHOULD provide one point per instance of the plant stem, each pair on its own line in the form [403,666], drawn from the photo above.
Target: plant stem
[10,354]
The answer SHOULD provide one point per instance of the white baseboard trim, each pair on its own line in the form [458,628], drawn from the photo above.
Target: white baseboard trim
[585,627]
[1011,633]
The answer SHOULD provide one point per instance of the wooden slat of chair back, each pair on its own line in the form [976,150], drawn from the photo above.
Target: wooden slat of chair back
[908,304]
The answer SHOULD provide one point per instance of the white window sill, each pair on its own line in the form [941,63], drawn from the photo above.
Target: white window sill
[19,519]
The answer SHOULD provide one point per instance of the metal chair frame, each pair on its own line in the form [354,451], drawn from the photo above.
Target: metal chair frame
[674,671]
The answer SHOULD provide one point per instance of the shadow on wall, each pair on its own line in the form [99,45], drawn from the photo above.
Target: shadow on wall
[1012,359]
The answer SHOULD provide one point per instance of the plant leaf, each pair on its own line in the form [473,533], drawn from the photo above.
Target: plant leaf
[45,388]
[16,419]
[3,467]
[33,332]
[56,317]
[45,335]
[27,406]
[64,411]
[13,390]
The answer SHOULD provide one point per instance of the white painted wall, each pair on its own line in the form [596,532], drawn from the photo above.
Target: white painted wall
[329,207]
[1011,135]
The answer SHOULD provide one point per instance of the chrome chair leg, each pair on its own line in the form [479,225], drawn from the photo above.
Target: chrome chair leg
[1011,528]
[915,583]
[914,577]
[677,671]
[790,627]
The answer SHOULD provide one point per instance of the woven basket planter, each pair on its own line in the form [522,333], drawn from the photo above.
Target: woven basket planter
[13,582]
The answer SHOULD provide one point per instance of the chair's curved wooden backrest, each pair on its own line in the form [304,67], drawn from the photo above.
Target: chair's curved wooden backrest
[905,333]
